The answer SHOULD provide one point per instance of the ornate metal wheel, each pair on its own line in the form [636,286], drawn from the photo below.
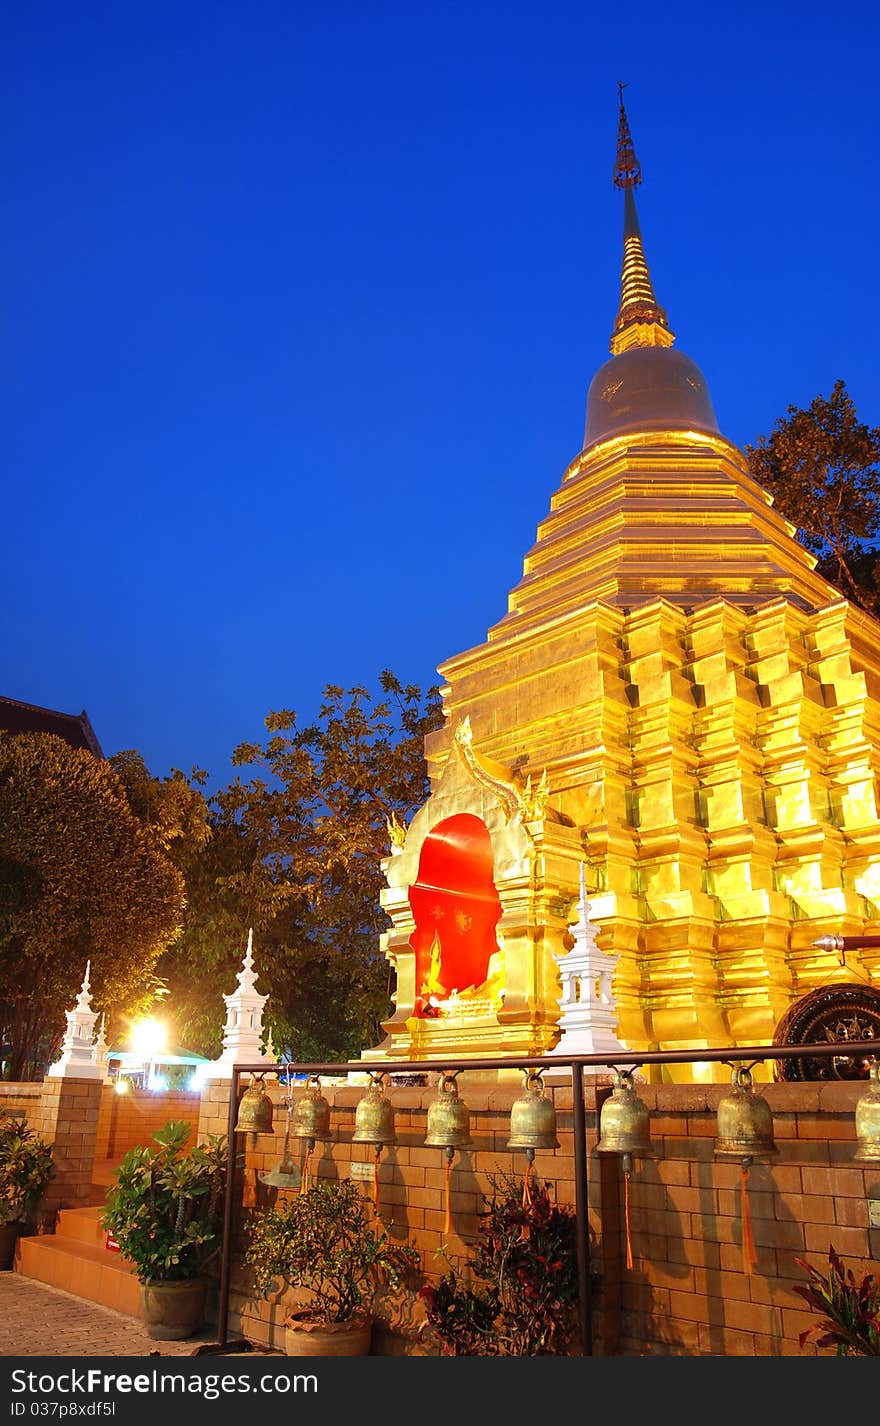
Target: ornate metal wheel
[833,1014]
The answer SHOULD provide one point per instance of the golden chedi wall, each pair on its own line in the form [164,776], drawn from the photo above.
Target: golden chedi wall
[699,709]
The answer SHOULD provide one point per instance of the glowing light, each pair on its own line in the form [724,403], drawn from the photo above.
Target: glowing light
[121,1085]
[149,1037]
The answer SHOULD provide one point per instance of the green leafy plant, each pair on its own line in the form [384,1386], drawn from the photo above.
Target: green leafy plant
[521,1299]
[329,1241]
[166,1208]
[26,1169]
[850,1309]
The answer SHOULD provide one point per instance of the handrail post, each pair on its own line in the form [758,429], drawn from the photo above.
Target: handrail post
[226,1249]
[582,1225]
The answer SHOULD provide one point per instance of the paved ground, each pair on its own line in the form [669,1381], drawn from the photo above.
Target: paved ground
[41,1321]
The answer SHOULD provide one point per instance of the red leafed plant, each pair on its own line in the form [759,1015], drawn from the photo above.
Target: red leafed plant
[520,1298]
[851,1310]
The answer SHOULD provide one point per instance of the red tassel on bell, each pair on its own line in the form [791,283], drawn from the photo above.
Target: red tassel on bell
[629,1252]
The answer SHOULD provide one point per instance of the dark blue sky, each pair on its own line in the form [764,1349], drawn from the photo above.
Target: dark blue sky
[301,306]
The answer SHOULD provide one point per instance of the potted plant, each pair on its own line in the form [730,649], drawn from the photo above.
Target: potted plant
[521,1296]
[850,1309]
[165,1211]
[329,1242]
[26,1169]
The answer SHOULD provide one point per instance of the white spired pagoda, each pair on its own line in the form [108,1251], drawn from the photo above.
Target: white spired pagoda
[243,1033]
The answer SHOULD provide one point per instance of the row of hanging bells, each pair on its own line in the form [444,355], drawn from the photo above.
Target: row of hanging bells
[744,1128]
[744,1121]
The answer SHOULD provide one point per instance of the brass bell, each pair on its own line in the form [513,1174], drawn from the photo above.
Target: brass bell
[374,1116]
[311,1119]
[624,1121]
[448,1117]
[868,1120]
[745,1124]
[533,1118]
[254,1110]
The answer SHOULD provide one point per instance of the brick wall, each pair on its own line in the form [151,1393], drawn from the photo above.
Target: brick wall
[134,1117]
[21,1099]
[687,1293]
[68,1121]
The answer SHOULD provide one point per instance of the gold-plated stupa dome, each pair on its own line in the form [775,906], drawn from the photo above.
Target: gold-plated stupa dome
[646,389]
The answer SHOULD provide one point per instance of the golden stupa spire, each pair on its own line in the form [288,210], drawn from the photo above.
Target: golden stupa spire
[641,321]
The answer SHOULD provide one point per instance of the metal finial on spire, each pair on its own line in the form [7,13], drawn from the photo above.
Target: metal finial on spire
[627,171]
[641,321]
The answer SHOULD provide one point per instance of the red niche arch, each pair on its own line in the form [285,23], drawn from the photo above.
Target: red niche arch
[456,908]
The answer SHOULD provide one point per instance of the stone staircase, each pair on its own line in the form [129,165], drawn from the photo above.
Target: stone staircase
[74,1257]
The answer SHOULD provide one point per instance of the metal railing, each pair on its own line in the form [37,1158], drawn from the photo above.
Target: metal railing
[576,1063]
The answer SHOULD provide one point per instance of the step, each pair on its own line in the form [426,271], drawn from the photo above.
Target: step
[85,1269]
[84,1224]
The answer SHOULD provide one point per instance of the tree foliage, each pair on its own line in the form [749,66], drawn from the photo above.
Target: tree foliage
[81,878]
[172,807]
[820,464]
[297,840]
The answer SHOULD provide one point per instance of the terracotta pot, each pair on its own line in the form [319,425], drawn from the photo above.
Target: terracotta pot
[9,1236]
[173,1310]
[303,1338]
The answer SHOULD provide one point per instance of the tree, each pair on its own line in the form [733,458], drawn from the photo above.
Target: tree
[81,878]
[173,807]
[295,852]
[821,466]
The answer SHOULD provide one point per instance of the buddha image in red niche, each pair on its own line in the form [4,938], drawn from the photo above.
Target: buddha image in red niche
[456,908]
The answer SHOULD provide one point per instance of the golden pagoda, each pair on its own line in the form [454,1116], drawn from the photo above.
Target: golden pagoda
[675,701]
